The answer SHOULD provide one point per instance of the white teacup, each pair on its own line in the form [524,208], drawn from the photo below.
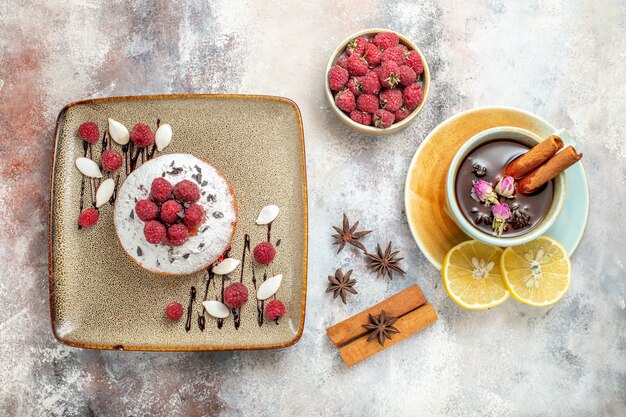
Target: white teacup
[504,132]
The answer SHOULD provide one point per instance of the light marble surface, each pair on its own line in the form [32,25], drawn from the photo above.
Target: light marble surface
[563,60]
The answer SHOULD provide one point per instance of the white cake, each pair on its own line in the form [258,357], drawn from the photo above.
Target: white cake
[214,236]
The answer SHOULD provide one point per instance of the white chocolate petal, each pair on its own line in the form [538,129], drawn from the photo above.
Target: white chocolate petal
[118,132]
[269,287]
[163,136]
[105,192]
[216,309]
[88,167]
[227,266]
[267,214]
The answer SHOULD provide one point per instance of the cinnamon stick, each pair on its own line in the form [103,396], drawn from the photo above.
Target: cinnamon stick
[408,324]
[553,167]
[536,156]
[396,305]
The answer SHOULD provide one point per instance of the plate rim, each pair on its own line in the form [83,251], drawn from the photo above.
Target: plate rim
[259,97]
[428,137]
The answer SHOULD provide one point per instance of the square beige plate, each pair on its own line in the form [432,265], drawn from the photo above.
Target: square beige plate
[101,299]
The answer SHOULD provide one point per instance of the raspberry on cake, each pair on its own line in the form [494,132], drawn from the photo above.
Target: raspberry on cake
[170,211]
[160,190]
[176,238]
[154,231]
[194,216]
[177,234]
[186,191]
[146,210]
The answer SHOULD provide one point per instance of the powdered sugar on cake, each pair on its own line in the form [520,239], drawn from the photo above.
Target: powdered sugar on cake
[214,235]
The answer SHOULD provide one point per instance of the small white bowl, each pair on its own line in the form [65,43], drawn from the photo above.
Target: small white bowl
[452,206]
[371,130]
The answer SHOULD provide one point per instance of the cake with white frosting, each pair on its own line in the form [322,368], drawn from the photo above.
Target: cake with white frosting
[190,228]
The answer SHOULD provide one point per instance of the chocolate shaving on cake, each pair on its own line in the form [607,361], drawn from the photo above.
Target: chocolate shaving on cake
[139,251]
[218,214]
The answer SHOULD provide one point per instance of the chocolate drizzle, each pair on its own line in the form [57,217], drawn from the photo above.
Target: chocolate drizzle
[269,232]
[260,304]
[209,278]
[192,299]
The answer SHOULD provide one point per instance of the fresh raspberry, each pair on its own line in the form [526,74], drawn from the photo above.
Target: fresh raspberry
[370,83]
[236,294]
[89,132]
[345,100]
[111,160]
[194,216]
[142,135]
[154,231]
[361,117]
[413,60]
[406,75]
[170,210]
[356,46]
[354,86]
[160,189]
[395,54]
[342,62]
[401,114]
[367,103]
[146,210]
[187,191]
[174,311]
[391,100]
[372,54]
[357,65]
[337,78]
[383,118]
[275,309]
[264,253]
[388,74]
[177,234]
[404,48]
[413,95]
[88,217]
[386,40]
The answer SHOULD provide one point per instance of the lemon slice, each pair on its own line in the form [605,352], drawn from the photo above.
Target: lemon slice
[471,275]
[537,273]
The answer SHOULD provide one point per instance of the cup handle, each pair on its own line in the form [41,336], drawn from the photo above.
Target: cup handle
[567,140]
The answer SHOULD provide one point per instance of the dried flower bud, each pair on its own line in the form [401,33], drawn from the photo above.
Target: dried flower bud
[482,191]
[506,187]
[501,213]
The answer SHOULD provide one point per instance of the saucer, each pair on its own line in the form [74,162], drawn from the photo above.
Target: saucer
[424,194]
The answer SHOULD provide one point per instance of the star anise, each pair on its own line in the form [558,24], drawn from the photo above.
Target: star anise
[381,327]
[349,235]
[384,263]
[340,284]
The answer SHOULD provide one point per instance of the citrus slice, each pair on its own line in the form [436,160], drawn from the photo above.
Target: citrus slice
[471,275]
[537,273]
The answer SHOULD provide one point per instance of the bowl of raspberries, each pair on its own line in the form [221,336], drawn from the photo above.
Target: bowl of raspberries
[377,81]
